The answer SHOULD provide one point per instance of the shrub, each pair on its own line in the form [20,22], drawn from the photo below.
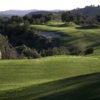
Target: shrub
[63,50]
[89,50]
[28,52]
[55,51]
[80,49]
[31,53]
[43,53]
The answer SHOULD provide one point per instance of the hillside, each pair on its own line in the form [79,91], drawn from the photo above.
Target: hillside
[44,12]
[73,34]
[86,11]
[89,10]
[48,33]
[27,12]
[49,54]
[15,12]
[50,78]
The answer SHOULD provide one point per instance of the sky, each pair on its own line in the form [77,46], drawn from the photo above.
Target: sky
[45,4]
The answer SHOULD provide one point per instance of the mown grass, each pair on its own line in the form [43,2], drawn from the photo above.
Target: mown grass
[73,34]
[50,78]
[58,77]
[67,29]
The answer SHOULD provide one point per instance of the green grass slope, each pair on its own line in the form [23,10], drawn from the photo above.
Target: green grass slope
[50,78]
[73,34]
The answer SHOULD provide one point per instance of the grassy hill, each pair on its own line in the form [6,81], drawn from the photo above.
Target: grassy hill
[73,34]
[57,77]
[50,78]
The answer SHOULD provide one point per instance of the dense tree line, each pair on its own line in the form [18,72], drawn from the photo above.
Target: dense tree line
[79,18]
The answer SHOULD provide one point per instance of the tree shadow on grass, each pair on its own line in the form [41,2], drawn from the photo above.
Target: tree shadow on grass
[85,87]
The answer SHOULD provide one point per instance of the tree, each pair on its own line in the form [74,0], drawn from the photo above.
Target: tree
[98,18]
[16,19]
[7,51]
[67,17]
[3,41]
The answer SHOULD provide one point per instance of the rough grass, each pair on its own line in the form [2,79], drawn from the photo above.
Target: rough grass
[50,78]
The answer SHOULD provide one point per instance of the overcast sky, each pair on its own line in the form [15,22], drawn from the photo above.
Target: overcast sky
[45,4]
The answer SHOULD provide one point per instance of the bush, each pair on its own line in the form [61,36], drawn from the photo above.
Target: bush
[80,49]
[31,53]
[89,50]
[28,52]
[54,51]
[63,50]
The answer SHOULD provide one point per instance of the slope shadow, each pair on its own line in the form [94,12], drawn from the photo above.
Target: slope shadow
[59,25]
[88,27]
[80,88]
[85,87]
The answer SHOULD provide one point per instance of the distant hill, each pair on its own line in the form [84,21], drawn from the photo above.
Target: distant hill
[88,10]
[44,12]
[15,12]
[26,12]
